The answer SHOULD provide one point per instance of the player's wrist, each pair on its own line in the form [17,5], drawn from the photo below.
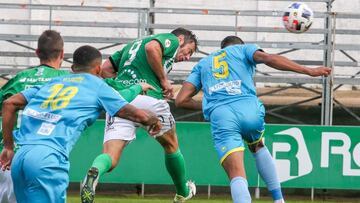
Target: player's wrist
[9,147]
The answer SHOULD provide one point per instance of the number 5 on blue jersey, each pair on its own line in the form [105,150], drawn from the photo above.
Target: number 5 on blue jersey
[220,67]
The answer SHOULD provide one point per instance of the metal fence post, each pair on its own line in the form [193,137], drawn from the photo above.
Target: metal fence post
[327,95]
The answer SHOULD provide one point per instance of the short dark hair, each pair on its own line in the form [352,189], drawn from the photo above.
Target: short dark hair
[50,45]
[84,57]
[189,37]
[231,40]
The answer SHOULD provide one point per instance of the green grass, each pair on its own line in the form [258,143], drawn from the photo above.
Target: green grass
[133,199]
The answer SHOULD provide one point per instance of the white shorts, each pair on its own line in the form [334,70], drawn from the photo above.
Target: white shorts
[7,194]
[121,129]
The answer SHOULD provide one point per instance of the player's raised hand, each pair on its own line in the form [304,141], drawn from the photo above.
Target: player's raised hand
[6,157]
[167,90]
[320,71]
[155,129]
[145,87]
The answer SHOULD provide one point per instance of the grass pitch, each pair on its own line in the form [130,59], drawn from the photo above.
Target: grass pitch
[135,199]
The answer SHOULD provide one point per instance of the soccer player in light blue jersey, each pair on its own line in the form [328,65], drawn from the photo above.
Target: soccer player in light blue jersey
[235,113]
[54,117]
[50,51]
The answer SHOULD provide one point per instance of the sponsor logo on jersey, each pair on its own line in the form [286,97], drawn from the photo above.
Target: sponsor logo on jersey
[45,116]
[132,81]
[167,43]
[33,80]
[74,79]
[231,87]
[46,128]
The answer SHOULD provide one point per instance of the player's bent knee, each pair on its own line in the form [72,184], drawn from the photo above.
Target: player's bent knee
[114,149]
[256,146]
[169,141]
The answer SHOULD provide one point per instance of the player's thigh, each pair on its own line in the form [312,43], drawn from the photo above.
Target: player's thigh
[46,174]
[114,148]
[162,110]
[226,132]
[122,129]
[167,136]
[119,129]
[169,141]
[234,165]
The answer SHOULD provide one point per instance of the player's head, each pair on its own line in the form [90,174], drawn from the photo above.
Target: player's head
[188,44]
[50,47]
[87,59]
[231,40]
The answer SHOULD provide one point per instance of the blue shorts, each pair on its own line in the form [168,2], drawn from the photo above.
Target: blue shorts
[40,174]
[236,122]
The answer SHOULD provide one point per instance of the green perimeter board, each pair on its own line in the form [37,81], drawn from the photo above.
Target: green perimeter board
[143,159]
[305,156]
[316,156]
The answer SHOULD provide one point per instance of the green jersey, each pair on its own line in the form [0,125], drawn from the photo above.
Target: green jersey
[28,78]
[41,74]
[25,79]
[128,93]
[132,66]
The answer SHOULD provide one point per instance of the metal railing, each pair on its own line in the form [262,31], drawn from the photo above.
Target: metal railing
[141,25]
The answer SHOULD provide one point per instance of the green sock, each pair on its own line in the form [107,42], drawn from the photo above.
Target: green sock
[175,166]
[102,163]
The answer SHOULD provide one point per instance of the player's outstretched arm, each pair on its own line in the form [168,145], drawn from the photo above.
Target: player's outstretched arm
[184,98]
[142,116]
[9,108]
[285,64]
[107,70]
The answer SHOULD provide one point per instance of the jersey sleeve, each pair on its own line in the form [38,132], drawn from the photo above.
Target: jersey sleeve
[195,77]
[129,93]
[169,43]
[249,51]
[110,99]
[115,59]
[10,88]
[30,92]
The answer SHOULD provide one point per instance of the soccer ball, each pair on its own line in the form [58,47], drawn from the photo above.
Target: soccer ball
[298,17]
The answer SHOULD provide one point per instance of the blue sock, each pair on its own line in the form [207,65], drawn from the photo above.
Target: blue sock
[266,168]
[239,190]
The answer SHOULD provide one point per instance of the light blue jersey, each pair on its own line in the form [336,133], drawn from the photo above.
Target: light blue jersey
[55,116]
[59,111]
[230,101]
[230,78]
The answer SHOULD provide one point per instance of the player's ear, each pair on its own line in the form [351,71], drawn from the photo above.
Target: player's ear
[98,70]
[181,39]
[62,54]
[37,52]
[72,68]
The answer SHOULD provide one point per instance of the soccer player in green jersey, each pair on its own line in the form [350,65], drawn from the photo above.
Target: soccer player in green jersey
[50,51]
[54,117]
[146,60]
